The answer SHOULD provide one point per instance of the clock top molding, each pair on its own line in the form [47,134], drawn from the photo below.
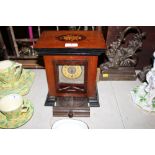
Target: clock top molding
[70,43]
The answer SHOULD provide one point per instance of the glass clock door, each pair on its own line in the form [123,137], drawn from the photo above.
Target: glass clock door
[71,76]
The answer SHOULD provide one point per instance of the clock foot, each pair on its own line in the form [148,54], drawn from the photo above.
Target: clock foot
[50,101]
[93,101]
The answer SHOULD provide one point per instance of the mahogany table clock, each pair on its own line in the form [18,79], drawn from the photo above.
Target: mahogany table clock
[70,59]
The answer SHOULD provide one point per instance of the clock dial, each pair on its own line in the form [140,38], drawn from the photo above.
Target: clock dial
[71,71]
[71,74]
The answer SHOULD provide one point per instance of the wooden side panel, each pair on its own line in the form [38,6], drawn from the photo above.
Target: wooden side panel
[92,72]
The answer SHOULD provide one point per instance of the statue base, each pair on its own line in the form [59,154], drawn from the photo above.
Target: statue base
[118,74]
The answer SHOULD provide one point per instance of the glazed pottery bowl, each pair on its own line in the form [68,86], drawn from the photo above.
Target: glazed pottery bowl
[12,106]
[69,124]
[10,71]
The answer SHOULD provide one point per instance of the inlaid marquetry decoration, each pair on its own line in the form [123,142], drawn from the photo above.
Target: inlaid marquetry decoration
[71,37]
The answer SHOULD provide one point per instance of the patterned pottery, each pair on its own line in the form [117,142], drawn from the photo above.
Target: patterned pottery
[12,106]
[10,71]
[5,64]
[22,86]
[144,95]
[144,100]
[23,118]
[69,124]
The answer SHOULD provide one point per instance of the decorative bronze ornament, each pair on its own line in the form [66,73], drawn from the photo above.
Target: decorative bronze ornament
[120,56]
[71,37]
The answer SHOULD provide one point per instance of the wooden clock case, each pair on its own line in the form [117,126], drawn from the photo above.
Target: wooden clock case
[71,99]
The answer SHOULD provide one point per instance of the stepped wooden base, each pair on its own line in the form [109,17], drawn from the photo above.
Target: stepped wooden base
[118,74]
[71,106]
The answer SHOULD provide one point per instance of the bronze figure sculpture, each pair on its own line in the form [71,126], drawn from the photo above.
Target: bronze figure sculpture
[121,57]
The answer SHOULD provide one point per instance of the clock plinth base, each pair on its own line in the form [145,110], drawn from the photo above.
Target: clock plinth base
[71,107]
[50,100]
[93,102]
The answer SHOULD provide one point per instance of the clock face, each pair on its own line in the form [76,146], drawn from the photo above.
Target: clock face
[71,74]
[72,71]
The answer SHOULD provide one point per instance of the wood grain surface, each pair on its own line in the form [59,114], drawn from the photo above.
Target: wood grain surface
[48,39]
